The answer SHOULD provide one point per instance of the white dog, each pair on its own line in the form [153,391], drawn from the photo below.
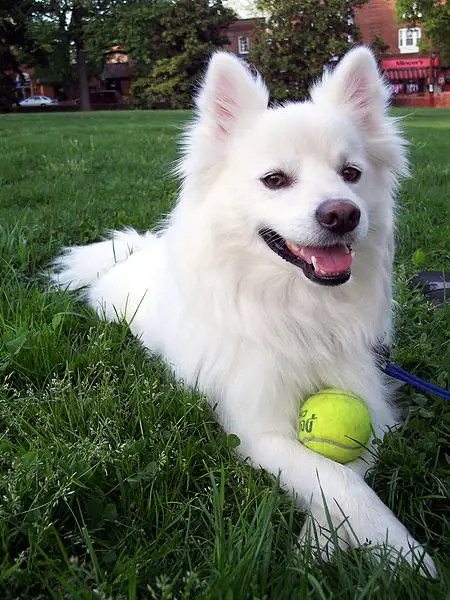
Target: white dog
[272,277]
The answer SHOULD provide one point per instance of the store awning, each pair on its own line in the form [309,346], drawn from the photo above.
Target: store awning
[405,74]
[402,69]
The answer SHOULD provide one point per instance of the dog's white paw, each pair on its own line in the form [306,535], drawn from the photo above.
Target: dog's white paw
[388,540]
[411,551]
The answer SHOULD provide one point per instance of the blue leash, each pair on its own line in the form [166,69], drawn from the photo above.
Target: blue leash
[397,372]
[382,353]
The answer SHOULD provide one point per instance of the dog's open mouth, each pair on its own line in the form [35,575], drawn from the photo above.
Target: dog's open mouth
[327,265]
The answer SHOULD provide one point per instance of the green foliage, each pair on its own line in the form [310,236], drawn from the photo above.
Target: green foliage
[299,40]
[115,482]
[7,92]
[75,35]
[16,40]
[189,31]
[379,47]
[55,42]
[100,24]
[169,42]
[435,20]
[136,25]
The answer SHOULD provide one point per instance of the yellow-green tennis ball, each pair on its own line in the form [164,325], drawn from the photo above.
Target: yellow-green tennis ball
[336,424]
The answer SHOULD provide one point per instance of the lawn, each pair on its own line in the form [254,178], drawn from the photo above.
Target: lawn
[115,482]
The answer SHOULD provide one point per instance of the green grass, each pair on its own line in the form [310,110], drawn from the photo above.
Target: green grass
[115,482]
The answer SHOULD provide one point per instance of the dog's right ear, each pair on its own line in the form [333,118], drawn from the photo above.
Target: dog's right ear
[230,95]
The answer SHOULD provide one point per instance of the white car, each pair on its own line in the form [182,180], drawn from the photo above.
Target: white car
[37,101]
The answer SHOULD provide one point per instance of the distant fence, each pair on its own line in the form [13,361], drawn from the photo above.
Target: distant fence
[70,108]
[440,100]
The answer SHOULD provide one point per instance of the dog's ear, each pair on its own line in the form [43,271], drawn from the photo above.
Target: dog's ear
[355,84]
[230,94]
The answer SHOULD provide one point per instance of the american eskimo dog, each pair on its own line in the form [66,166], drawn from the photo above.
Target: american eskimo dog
[272,277]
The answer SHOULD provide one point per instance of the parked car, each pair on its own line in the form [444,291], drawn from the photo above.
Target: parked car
[104,99]
[38,101]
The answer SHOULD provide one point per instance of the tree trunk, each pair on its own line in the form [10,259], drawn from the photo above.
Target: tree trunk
[77,21]
[69,88]
[83,77]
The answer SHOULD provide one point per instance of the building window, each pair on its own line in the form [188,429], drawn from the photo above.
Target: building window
[243,44]
[408,40]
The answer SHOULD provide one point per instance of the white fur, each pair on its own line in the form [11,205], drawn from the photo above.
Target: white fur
[235,320]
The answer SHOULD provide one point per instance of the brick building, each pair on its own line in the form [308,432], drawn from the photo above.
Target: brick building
[117,72]
[409,71]
[28,85]
[116,75]
[241,34]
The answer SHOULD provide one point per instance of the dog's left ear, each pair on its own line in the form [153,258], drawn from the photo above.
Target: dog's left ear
[355,84]
[230,95]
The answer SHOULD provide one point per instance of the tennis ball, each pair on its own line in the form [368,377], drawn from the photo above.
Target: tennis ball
[336,424]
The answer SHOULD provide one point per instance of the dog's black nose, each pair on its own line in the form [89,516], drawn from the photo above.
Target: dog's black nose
[338,216]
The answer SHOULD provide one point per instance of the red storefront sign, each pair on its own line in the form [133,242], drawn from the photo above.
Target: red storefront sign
[408,68]
[408,63]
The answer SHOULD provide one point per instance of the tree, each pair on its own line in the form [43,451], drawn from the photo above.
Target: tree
[168,40]
[75,35]
[60,67]
[300,38]
[66,29]
[16,40]
[79,32]
[184,36]
[137,26]
[434,16]
[379,47]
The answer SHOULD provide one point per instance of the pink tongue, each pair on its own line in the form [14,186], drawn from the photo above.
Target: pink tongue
[336,259]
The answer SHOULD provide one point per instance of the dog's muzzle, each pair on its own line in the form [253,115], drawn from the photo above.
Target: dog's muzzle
[326,265]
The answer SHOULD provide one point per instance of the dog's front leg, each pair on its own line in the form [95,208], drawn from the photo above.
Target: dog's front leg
[332,494]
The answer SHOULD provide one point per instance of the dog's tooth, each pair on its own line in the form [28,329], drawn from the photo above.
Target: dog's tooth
[353,254]
[314,262]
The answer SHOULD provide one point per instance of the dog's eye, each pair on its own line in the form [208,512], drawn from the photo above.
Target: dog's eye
[351,174]
[275,181]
